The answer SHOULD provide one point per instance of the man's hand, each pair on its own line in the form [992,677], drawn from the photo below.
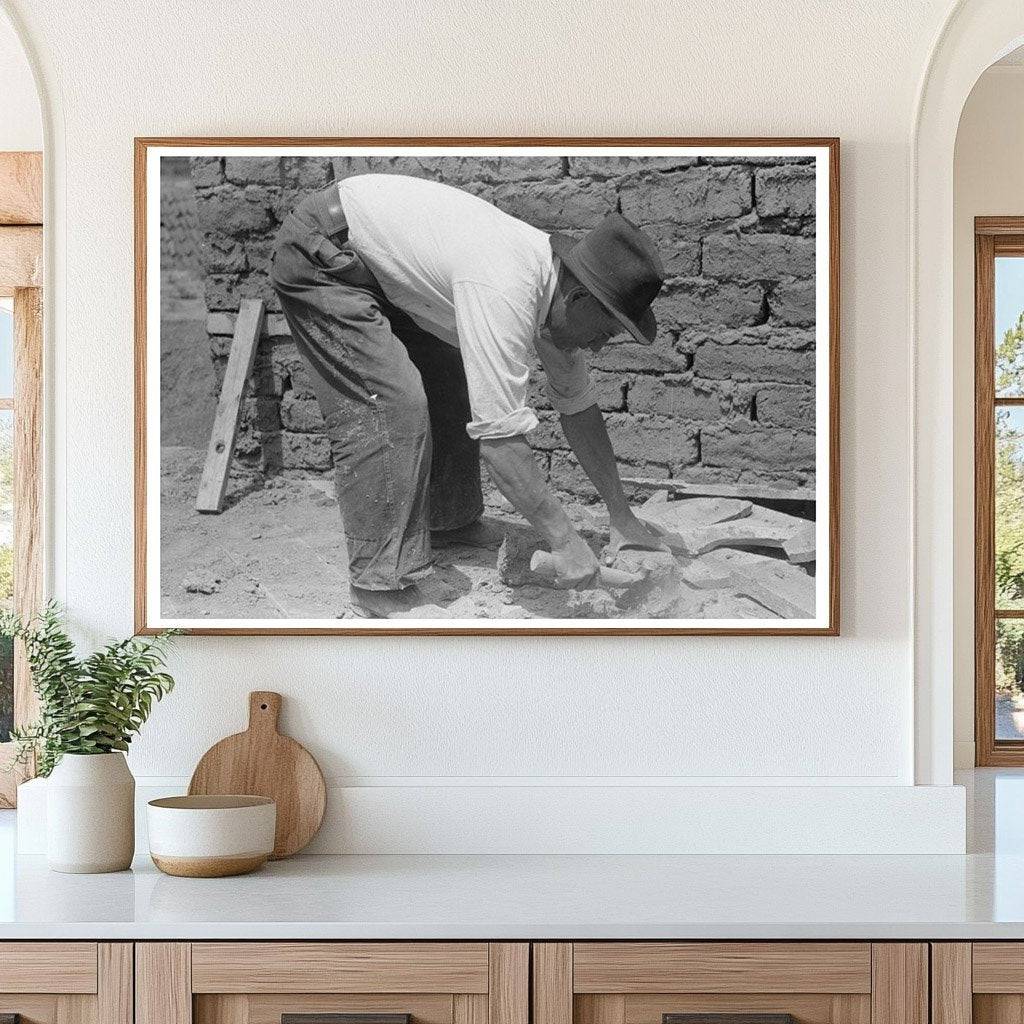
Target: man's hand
[512,467]
[629,532]
[576,566]
[588,436]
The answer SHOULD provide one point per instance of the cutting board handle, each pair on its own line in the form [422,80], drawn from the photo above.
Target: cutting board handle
[264,710]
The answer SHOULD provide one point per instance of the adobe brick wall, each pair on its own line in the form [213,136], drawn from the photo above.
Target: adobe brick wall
[726,393]
[181,274]
[178,242]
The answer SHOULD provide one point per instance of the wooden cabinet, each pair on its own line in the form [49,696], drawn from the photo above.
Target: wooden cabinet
[646,982]
[980,982]
[259,982]
[66,982]
[494,983]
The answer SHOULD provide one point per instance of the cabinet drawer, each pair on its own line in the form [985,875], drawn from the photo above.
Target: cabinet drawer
[261,982]
[48,967]
[66,982]
[734,982]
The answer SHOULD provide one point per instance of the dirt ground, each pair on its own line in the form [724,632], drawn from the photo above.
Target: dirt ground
[187,385]
[278,551]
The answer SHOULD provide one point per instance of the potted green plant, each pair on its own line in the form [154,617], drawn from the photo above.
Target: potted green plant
[89,710]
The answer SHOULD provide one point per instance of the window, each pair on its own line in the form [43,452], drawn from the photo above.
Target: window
[6,509]
[999,490]
[21,365]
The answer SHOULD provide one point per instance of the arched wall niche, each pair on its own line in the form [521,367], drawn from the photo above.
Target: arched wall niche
[975,34]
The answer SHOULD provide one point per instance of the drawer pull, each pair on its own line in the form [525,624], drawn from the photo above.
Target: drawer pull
[340,1018]
[728,1018]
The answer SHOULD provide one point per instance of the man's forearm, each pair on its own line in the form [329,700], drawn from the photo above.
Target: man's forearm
[588,435]
[513,468]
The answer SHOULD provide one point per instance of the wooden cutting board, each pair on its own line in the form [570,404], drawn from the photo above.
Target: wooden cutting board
[262,762]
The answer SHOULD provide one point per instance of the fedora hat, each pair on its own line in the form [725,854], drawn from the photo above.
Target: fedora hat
[619,265]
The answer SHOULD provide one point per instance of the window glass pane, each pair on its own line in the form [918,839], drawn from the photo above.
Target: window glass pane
[6,348]
[6,567]
[1009,485]
[1009,679]
[1009,326]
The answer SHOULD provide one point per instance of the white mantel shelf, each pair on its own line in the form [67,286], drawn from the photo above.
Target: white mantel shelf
[531,897]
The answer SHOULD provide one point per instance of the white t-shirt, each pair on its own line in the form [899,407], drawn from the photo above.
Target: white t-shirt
[475,277]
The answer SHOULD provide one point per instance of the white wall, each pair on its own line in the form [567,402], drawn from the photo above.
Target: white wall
[444,713]
[21,125]
[988,181]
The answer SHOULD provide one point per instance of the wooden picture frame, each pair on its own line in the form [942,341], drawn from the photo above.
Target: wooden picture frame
[148,151]
[21,277]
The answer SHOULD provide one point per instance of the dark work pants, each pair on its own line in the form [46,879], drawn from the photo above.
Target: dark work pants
[393,397]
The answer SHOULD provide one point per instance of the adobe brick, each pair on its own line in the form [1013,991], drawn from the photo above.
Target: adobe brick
[753,363]
[785,191]
[754,256]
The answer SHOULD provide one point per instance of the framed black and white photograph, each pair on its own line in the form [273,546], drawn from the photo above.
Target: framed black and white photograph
[487,386]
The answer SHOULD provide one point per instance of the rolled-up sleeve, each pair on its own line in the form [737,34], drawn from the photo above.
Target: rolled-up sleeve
[570,388]
[496,339]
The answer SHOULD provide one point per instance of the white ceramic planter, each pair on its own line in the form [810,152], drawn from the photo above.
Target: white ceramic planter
[90,814]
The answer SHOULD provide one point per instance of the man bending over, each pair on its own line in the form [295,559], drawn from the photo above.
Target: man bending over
[418,309]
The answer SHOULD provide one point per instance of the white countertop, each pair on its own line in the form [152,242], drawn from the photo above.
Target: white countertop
[532,897]
[978,896]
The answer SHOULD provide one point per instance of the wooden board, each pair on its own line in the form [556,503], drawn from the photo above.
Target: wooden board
[21,258]
[21,188]
[115,995]
[751,491]
[163,983]
[899,990]
[552,983]
[262,762]
[951,983]
[508,983]
[214,481]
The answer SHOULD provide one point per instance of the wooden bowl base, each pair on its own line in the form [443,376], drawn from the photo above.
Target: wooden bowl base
[209,867]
